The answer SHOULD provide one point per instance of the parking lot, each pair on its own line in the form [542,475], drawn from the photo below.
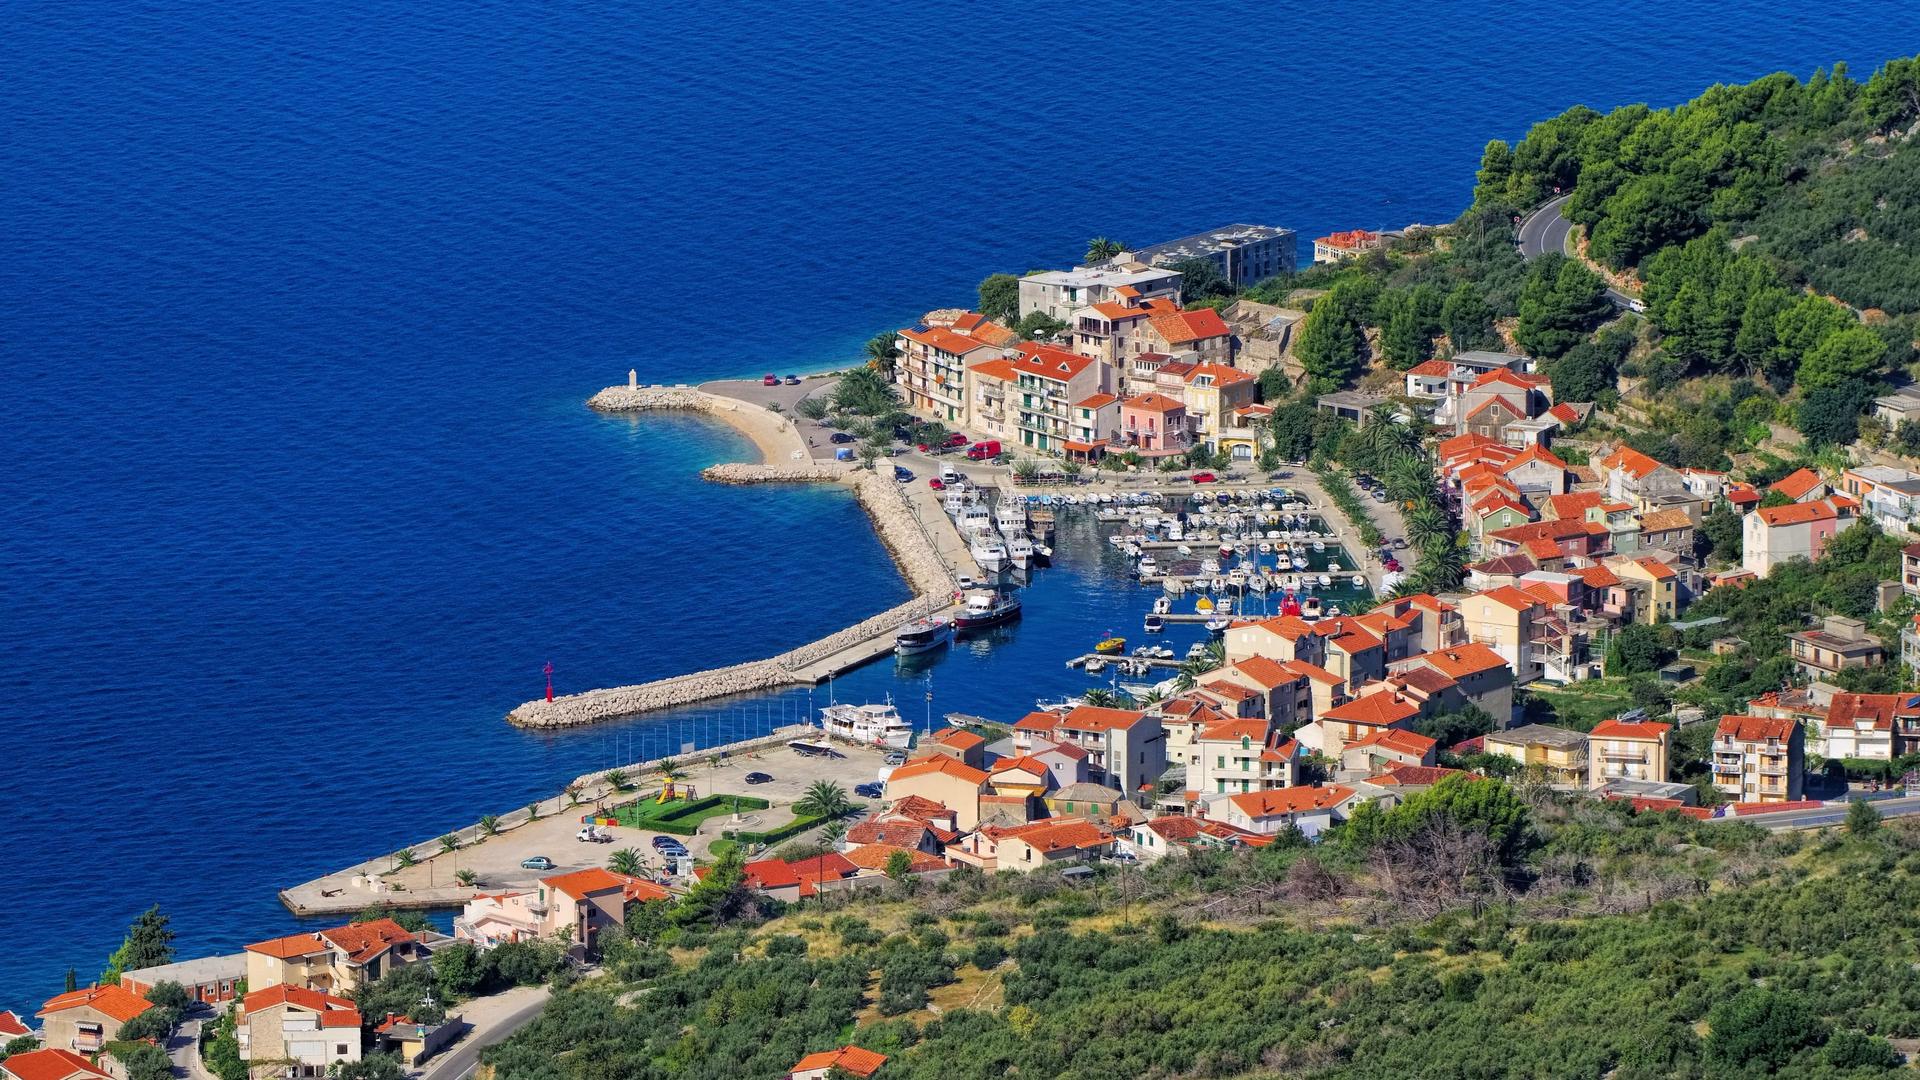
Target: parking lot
[496,860]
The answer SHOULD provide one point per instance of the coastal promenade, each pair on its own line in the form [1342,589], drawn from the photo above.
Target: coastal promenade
[925,547]
[547,828]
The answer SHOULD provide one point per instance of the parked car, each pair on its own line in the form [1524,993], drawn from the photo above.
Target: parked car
[769,380]
[590,835]
[957,440]
[759,778]
[841,438]
[895,757]
[793,380]
[983,450]
[1124,857]
[905,476]
[870,791]
[537,862]
[1204,478]
[1280,474]
[936,483]
[668,845]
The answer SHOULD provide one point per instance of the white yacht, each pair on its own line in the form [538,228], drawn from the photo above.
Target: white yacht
[868,725]
[1010,517]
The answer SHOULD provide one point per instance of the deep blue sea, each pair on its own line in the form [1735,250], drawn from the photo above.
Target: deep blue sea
[299,303]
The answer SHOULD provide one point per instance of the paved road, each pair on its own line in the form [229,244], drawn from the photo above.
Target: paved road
[1547,230]
[493,1020]
[1817,817]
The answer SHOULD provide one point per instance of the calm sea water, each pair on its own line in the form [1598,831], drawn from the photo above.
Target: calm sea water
[299,303]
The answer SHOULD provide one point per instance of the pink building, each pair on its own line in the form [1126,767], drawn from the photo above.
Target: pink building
[1154,424]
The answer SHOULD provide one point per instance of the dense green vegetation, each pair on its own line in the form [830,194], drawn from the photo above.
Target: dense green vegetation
[1479,930]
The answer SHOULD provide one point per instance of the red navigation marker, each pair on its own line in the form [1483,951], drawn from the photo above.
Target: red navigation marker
[549,671]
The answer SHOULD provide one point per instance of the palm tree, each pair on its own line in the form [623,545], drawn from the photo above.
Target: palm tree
[882,349]
[669,769]
[835,831]
[449,843]
[1441,567]
[466,877]
[1427,525]
[617,779]
[573,794]
[1100,249]
[533,811]
[1409,479]
[811,408]
[626,862]
[824,799]
[1153,697]
[490,824]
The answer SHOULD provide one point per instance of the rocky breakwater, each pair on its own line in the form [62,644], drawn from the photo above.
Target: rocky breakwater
[775,435]
[904,535]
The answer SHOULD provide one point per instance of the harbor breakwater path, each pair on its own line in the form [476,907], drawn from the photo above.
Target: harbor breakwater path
[907,536]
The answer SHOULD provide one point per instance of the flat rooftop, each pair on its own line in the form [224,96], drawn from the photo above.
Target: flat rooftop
[195,972]
[1212,242]
[1540,735]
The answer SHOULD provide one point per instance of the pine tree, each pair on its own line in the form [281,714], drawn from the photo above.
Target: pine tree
[149,943]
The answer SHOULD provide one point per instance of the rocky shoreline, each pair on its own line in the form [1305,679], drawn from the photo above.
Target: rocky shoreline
[893,519]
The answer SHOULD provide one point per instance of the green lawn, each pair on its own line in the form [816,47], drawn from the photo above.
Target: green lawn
[1582,705]
[648,813]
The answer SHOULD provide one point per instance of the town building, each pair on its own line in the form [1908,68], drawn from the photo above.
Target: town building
[941,779]
[989,385]
[1339,246]
[87,1019]
[1200,332]
[1888,496]
[962,745]
[1047,381]
[1840,643]
[1868,727]
[1235,756]
[1758,759]
[847,1060]
[301,1032]
[336,961]
[1357,719]
[1154,424]
[1242,254]
[1386,748]
[50,1063]
[1629,750]
[1125,749]
[1114,331]
[206,979]
[1655,587]
[1560,754]
[1059,293]
[581,904]
[933,362]
[1801,485]
[1774,534]
[1212,392]
[1481,675]
[1503,620]
[1312,810]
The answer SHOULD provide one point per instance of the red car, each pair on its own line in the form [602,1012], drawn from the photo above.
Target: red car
[769,380]
[957,440]
[935,483]
[1204,478]
[922,447]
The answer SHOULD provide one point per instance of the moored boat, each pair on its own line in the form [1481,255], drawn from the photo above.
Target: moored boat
[985,608]
[869,725]
[923,635]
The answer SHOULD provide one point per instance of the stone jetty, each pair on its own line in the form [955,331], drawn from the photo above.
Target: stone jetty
[901,531]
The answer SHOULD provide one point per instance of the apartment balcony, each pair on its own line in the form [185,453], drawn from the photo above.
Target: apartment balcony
[1629,757]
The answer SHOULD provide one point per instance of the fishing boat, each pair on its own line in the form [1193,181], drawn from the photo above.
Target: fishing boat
[1218,584]
[973,518]
[868,725]
[1209,566]
[988,553]
[1010,518]
[1156,623]
[985,608]
[1111,646]
[1020,551]
[923,635]
[1225,606]
[1257,582]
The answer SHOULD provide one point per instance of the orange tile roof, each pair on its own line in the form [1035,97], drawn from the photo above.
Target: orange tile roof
[958,738]
[363,941]
[1561,529]
[1174,826]
[1877,711]
[1542,548]
[1221,374]
[1400,774]
[1115,311]
[11,1026]
[1398,741]
[1350,240]
[945,340]
[1655,567]
[1632,462]
[1433,369]
[112,1000]
[1565,413]
[876,856]
[1463,661]
[997,368]
[1623,729]
[1312,671]
[1094,718]
[334,1011]
[906,834]
[1516,410]
[1498,501]
[1152,403]
[1049,362]
[1738,492]
[1573,504]
[1266,671]
[1023,763]
[1095,401]
[1542,593]
[584,883]
[1290,800]
[849,1058]
[1531,454]
[1757,728]
[1596,577]
[1797,484]
[938,763]
[1058,835]
[1037,721]
[1798,513]
[52,1063]
[1185,327]
[1231,691]
[1508,596]
[1377,710]
[1234,731]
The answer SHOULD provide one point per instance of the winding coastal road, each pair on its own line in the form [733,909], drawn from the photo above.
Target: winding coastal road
[1547,229]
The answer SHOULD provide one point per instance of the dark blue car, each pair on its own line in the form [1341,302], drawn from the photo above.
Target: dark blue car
[869,791]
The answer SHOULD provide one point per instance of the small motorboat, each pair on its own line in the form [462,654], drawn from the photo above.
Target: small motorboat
[1310,607]
[1173,586]
[1225,606]
[1266,547]
[1196,650]
[1161,652]
[1299,562]
[1156,623]
[1226,549]
[1162,606]
[1326,581]
[1148,567]
[1209,566]
[1359,581]
[1333,567]
[1218,584]
[1112,646]
[1205,605]
[923,635]
[1319,544]
[1218,625]
[1096,665]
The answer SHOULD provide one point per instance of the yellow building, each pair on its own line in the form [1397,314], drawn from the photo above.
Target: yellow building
[1561,754]
[953,784]
[335,961]
[1655,585]
[1625,750]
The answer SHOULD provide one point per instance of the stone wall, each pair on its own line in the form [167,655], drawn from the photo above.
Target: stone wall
[900,531]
